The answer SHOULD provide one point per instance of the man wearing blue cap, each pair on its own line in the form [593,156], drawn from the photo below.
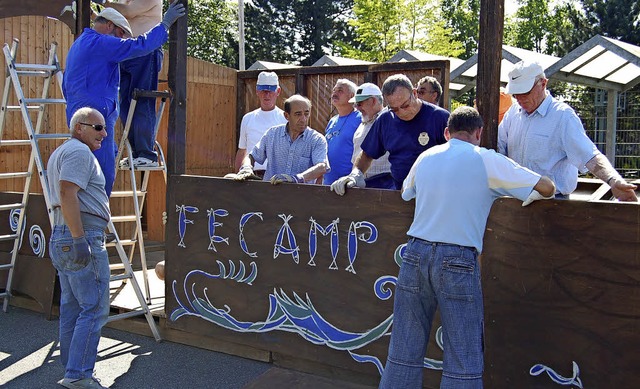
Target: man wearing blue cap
[257,122]
[546,136]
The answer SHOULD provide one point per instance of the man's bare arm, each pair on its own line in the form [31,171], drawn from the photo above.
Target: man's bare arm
[602,168]
[71,207]
[314,171]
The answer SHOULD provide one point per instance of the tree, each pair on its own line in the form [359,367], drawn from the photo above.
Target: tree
[462,17]
[212,31]
[530,21]
[294,31]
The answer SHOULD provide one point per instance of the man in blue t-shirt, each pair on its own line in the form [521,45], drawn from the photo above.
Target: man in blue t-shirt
[340,130]
[406,128]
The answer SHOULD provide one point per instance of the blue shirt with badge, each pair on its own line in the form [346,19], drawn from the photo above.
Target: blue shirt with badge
[405,140]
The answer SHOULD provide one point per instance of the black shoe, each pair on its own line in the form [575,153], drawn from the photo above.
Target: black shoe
[108,238]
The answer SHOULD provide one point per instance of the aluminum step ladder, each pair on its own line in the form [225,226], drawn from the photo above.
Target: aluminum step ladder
[138,192]
[26,105]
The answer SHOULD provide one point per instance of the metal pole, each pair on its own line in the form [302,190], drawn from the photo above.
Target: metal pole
[241,27]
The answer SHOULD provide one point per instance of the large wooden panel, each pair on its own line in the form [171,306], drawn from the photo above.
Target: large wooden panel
[562,286]
[561,280]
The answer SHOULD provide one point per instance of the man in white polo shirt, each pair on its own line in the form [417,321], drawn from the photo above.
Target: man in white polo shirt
[440,266]
[257,122]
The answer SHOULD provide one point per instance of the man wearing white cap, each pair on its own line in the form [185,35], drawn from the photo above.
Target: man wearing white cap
[255,123]
[140,73]
[92,75]
[546,136]
[368,100]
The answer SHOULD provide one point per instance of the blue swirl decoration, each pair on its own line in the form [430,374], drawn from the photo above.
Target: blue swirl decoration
[37,241]
[575,380]
[290,314]
[14,219]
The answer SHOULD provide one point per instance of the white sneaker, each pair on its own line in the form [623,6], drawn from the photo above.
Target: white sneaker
[138,162]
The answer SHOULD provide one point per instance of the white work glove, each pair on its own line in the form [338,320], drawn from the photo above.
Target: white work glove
[354,179]
[244,173]
[535,195]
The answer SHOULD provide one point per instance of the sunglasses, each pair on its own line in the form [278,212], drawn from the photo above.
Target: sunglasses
[97,127]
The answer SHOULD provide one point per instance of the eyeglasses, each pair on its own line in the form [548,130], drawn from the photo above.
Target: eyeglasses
[97,127]
[422,92]
[403,106]
[530,90]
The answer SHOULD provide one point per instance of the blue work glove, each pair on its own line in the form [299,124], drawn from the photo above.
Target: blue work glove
[81,253]
[174,12]
[354,179]
[280,178]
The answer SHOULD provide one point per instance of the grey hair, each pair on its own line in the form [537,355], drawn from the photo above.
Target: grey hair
[350,84]
[394,82]
[82,115]
[433,83]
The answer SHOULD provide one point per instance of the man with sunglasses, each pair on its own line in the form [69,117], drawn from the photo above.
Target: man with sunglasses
[80,213]
[406,128]
[546,136]
[92,75]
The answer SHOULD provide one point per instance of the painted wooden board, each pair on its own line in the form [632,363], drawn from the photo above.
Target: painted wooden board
[559,278]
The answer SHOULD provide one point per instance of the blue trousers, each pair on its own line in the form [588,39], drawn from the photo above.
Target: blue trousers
[140,73]
[84,300]
[436,275]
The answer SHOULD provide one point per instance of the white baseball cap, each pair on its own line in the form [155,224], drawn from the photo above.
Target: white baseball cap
[116,18]
[365,91]
[523,76]
[267,81]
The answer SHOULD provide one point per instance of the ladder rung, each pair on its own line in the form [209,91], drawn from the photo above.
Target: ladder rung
[126,315]
[31,73]
[126,193]
[14,175]
[4,238]
[18,107]
[5,207]
[124,242]
[15,142]
[116,266]
[145,168]
[120,277]
[53,136]
[45,101]
[122,219]
[7,266]
[41,67]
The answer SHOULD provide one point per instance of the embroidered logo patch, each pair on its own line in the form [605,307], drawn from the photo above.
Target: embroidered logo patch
[423,138]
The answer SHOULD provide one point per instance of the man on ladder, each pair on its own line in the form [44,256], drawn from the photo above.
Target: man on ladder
[140,73]
[81,214]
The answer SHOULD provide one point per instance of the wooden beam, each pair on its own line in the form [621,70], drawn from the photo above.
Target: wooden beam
[177,73]
[612,124]
[489,58]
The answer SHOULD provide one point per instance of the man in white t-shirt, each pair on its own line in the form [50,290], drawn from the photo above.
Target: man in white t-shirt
[257,122]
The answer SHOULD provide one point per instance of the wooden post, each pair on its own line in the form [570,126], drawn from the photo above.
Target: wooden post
[178,84]
[612,125]
[489,58]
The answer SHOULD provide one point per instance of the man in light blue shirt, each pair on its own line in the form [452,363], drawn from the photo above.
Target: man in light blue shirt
[296,152]
[547,136]
[439,265]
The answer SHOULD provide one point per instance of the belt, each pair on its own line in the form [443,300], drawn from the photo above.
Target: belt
[87,219]
[423,241]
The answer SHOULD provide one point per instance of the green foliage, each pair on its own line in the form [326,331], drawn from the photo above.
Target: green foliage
[462,18]
[212,31]
[382,28]
[294,31]
[530,22]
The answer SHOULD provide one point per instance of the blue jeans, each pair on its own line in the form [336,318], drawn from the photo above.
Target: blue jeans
[436,275]
[106,154]
[84,300]
[140,73]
